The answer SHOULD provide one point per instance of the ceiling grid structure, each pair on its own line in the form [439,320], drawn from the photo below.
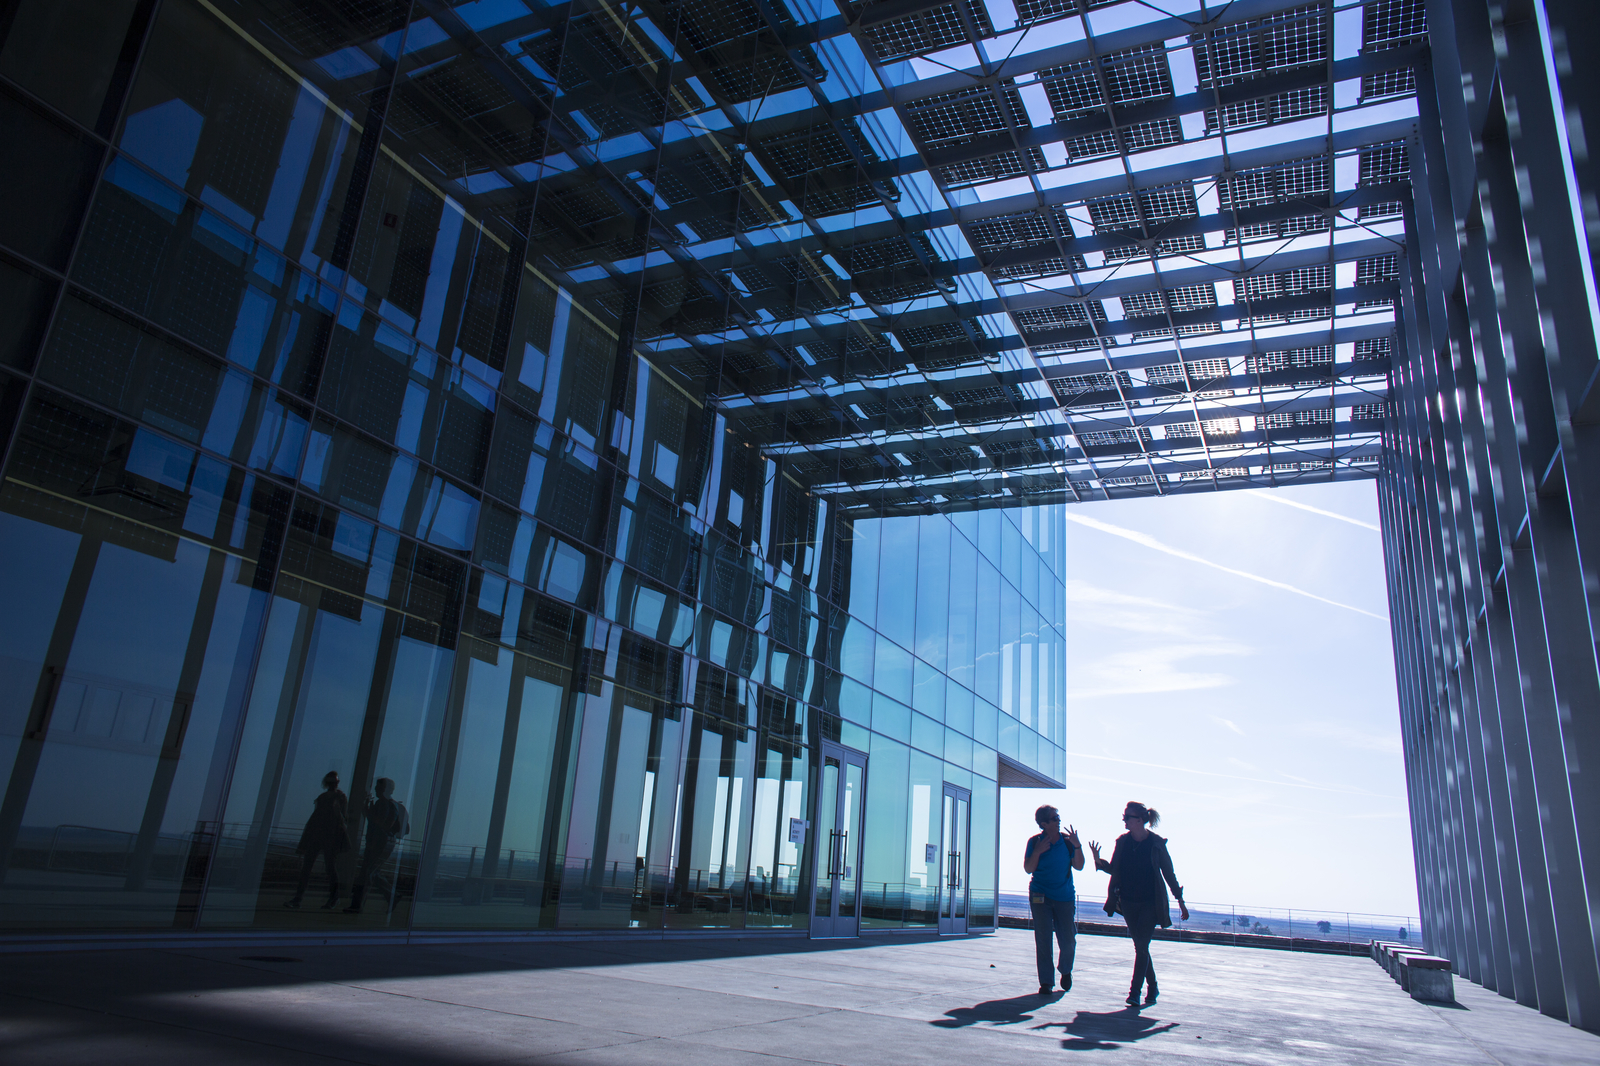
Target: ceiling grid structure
[956,255]
[1135,423]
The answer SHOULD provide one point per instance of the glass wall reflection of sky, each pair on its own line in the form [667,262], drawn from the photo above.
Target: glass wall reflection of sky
[575,415]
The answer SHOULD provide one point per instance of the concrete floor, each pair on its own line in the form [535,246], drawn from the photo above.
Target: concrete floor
[884,1003]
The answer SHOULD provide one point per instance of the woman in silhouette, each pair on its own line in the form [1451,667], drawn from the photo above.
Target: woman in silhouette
[1141,870]
[327,834]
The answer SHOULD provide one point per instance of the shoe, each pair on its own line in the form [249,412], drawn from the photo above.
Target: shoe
[1066,982]
[1133,999]
[356,895]
[1150,998]
[1045,990]
[292,904]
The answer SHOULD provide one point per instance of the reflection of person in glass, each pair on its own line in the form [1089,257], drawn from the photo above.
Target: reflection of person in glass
[387,823]
[1139,865]
[325,834]
[1051,857]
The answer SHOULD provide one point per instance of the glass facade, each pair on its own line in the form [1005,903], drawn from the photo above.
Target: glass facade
[366,406]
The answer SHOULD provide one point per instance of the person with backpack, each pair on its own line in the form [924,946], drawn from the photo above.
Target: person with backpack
[387,824]
[1139,865]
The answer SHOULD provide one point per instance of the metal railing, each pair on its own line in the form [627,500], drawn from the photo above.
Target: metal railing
[1343,927]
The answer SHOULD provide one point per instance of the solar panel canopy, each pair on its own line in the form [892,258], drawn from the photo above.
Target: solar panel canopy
[950,254]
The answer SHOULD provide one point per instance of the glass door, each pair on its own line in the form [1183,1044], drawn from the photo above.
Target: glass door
[836,896]
[955,836]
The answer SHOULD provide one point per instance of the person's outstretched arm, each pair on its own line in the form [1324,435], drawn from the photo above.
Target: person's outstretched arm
[1099,863]
[1077,847]
[1172,880]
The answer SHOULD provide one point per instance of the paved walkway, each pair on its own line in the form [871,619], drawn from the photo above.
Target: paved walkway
[954,1002]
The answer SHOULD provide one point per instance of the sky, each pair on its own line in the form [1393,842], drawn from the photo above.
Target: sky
[1229,663]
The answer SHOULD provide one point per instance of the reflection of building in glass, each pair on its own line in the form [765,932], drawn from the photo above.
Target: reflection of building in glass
[394,421]
[634,430]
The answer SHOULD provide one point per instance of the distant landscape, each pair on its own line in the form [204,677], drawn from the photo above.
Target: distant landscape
[1340,926]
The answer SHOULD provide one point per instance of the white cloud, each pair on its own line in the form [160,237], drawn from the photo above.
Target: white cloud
[1224,800]
[1152,669]
[1153,544]
[1136,614]
[1213,773]
[1271,497]
[1169,636]
[1227,724]
[1387,743]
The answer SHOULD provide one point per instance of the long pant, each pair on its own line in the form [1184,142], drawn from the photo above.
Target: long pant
[1141,919]
[373,860]
[1057,917]
[330,856]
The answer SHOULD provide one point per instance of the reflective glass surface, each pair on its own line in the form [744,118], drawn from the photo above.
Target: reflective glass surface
[465,459]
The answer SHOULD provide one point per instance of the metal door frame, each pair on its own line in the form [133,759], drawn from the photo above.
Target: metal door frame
[829,928]
[955,865]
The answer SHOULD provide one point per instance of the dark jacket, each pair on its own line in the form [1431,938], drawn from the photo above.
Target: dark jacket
[327,829]
[387,822]
[1159,858]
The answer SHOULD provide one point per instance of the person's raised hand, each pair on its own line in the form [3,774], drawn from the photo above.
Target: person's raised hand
[1094,846]
[1072,837]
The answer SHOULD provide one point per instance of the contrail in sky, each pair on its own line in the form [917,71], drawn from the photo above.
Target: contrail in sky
[1155,545]
[1263,494]
[1292,783]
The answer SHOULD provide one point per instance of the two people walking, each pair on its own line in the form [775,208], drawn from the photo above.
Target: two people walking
[327,835]
[1141,872]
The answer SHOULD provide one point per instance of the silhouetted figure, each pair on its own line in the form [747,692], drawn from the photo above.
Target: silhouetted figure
[387,824]
[1140,871]
[325,834]
[1051,857]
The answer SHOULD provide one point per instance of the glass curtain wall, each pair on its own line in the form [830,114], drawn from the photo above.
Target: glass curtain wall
[375,553]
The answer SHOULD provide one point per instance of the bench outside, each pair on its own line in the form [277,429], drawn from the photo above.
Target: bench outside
[1382,950]
[1428,978]
[1396,958]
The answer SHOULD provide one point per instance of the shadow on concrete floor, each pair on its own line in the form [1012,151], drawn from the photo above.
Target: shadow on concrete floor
[352,1003]
[995,1011]
[33,1030]
[1104,1030]
[660,1003]
[1087,1031]
[216,967]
